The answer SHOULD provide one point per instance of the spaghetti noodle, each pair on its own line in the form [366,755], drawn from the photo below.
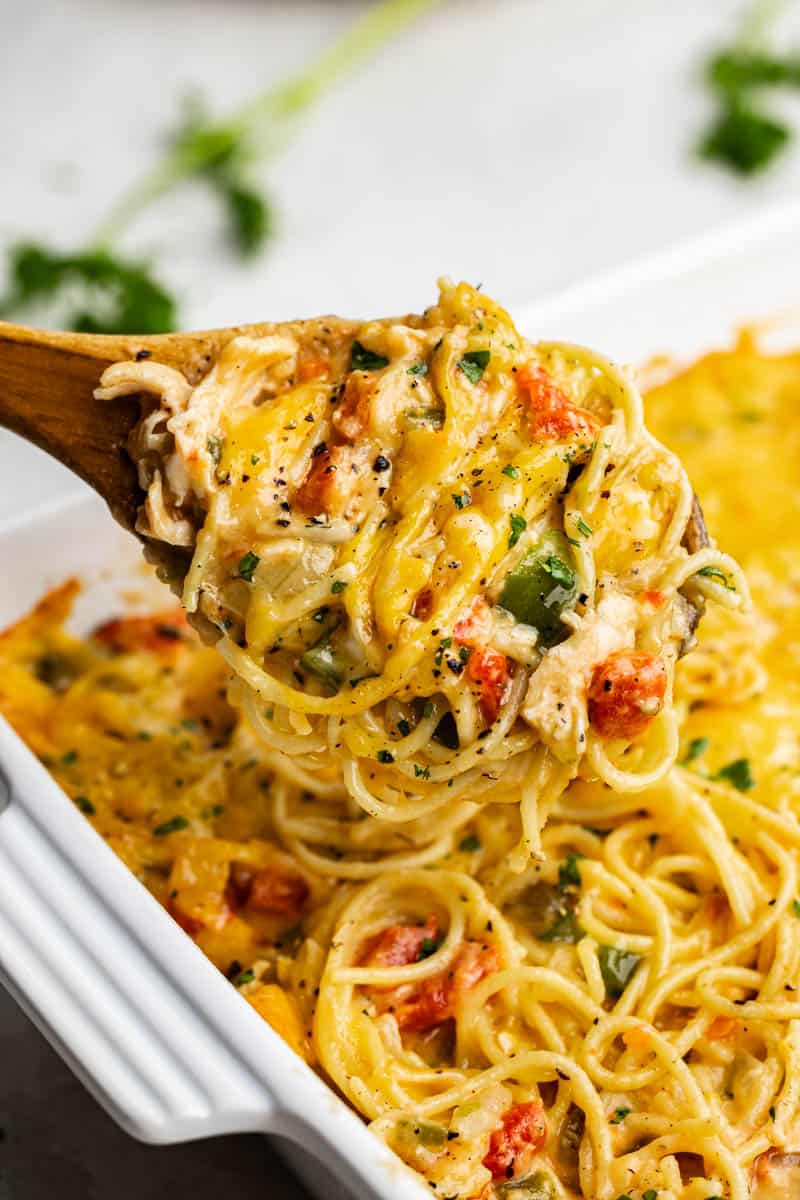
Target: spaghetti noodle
[619,1018]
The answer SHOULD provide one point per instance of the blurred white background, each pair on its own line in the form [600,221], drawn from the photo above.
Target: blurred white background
[523,143]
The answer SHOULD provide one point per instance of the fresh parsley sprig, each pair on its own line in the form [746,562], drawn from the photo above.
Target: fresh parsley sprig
[97,288]
[102,292]
[225,164]
[743,135]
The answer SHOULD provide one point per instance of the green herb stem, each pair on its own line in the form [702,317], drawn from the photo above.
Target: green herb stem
[99,290]
[254,120]
[174,169]
[757,21]
[289,99]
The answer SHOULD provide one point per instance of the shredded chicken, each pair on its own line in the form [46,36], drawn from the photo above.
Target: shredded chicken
[555,705]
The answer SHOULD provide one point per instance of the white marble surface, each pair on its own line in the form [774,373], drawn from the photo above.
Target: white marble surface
[524,143]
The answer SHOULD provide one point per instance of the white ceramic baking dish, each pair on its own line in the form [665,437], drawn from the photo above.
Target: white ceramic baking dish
[153,1030]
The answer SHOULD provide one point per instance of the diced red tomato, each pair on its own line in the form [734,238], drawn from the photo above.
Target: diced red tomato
[637,1038]
[312,368]
[626,693]
[552,415]
[438,998]
[513,1145]
[352,414]
[399,945]
[722,1028]
[429,1007]
[716,906]
[761,1162]
[654,598]
[486,667]
[423,605]
[333,482]
[278,891]
[779,1168]
[490,670]
[474,963]
[240,884]
[162,634]
[274,889]
[474,625]
[188,924]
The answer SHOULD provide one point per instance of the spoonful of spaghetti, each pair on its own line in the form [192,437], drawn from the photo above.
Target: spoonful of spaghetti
[444,564]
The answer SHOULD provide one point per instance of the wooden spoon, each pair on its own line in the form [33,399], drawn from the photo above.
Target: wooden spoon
[47,383]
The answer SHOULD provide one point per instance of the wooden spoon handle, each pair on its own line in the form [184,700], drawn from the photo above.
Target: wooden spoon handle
[47,383]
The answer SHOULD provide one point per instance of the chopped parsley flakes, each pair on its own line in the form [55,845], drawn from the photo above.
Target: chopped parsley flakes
[568,873]
[715,573]
[518,527]
[559,571]
[362,359]
[739,774]
[444,644]
[696,747]
[247,565]
[171,826]
[474,363]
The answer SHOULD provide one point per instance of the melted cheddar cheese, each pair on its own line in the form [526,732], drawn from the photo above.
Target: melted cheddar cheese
[620,1017]
[444,563]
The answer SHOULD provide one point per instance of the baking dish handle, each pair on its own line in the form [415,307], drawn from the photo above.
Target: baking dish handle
[105,978]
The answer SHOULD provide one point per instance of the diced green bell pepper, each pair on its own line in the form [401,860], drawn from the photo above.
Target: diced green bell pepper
[617,968]
[432,1137]
[542,587]
[538,1186]
[323,661]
